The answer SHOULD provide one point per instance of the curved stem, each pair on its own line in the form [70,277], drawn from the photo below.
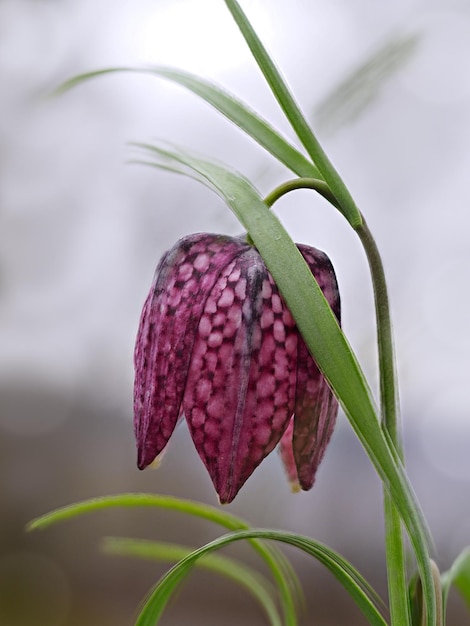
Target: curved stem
[388,377]
[396,565]
[302,183]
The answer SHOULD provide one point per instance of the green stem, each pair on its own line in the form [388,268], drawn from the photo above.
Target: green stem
[302,183]
[395,553]
[388,379]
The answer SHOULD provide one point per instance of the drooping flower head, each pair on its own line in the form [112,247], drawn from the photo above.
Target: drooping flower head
[217,344]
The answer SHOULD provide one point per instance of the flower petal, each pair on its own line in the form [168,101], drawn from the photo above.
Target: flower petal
[287,455]
[321,267]
[315,405]
[240,388]
[168,328]
[315,416]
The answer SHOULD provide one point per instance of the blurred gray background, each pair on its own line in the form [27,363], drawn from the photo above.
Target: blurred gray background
[388,89]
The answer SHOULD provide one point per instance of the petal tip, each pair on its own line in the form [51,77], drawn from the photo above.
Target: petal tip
[295,487]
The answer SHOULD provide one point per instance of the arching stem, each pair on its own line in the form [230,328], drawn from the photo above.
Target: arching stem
[388,377]
[302,183]
[395,553]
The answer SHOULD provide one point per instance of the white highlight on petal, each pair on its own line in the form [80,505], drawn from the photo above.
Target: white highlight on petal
[201,262]
[215,340]
[226,299]
[279,331]
[205,326]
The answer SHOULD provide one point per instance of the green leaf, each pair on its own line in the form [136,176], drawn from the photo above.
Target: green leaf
[458,576]
[253,582]
[231,107]
[361,592]
[138,500]
[320,330]
[295,116]
[281,569]
[396,566]
[416,603]
[348,100]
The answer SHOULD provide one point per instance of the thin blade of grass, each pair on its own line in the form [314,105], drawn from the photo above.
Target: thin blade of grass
[349,99]
[280,567]
[459,577]
[361,592]
[253,582]
[226,103]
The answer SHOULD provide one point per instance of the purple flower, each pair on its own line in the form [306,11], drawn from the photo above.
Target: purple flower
[217,344]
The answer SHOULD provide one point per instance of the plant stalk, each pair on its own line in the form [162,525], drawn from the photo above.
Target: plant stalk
[394,548]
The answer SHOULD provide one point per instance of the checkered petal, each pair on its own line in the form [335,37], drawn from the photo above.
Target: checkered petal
[240,389]
[167,331]
[304,443]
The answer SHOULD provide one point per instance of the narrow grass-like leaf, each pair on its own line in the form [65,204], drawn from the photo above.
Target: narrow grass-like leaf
[415,601]
[396,567]
[321,332]
[295,116]
[280,567]
[361,592]
[226,103]
[353,95]
[253,582]
[139,500]
[458,576]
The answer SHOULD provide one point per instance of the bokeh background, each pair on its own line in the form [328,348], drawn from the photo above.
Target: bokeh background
[388,89]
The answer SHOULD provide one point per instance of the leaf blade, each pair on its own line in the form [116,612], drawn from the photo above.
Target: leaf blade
[228,105]
[280,568]
[253,582]
[351,579]
[458,576]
